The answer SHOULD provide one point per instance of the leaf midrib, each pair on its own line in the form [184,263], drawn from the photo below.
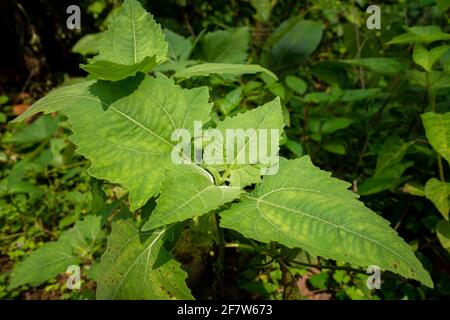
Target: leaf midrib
[258,200]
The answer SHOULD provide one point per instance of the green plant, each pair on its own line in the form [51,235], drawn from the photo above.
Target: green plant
[122,120]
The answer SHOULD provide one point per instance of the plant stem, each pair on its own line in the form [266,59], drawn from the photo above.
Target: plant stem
[221,239]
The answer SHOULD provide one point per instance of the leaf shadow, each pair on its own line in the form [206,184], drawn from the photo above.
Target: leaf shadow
[109,92]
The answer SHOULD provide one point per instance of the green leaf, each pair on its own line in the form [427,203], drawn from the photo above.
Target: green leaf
[180,48]
[389,169]
[186,193]
[426,59]
[317,97]
[359,94]
[335,147]
[84,234]
[125,143]
[443,234]
[205,69]
[435,79]
[437,129]
[438,192]
[268,116]
[63,97]
[293,42]
[295,147]
[136,266]
[443,5]
[420,34]
[380,65]
[3,99]
[296,84]
[43,264]
[88,44]
[225,46]
[335,124]
[230,101]
[133,42]
[304,207]
[108,70]
[42,129]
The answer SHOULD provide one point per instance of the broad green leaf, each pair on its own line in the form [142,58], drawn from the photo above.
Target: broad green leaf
[443,234]
[133,42]
[420,34]
[296,84]
[268,116]
[132,145]
[132,36]
[88,44]
[225,46]
[443,5]
[435,79]
[438,192]
[426,59]
[335,147]
[179,47]
[205,69]
[380,65]
[60,98]
[389,169]
[136,266]
[295,147]
[304,207]
[335,124]
[84,234]
[42,129]
[107,70]
[186,193]
[43,264]
[437,129]
[293,42]
[230,101]
[391,153]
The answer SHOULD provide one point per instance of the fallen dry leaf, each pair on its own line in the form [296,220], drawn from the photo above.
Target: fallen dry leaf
[18,109]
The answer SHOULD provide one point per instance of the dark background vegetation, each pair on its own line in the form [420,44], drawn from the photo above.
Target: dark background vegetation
[36,57]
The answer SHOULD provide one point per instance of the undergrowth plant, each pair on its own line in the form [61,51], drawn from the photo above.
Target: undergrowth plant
[123,117]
